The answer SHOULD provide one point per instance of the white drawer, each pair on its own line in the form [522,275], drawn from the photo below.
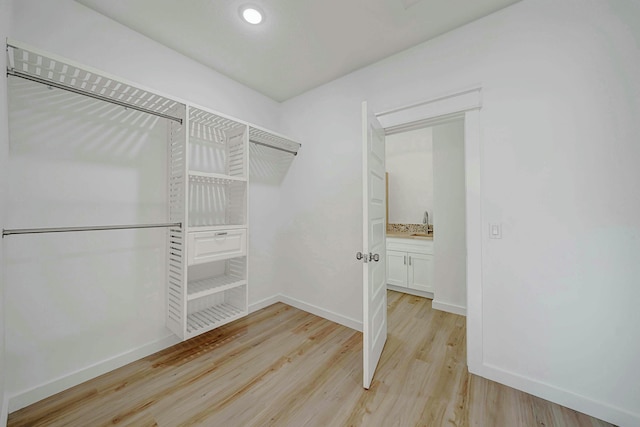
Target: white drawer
[410,245]
[207,246]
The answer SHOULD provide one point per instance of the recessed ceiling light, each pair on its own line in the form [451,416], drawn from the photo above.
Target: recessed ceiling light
[251,15]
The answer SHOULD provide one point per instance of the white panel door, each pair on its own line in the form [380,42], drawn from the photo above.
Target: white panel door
[397,268]
[421,272]
[374,244]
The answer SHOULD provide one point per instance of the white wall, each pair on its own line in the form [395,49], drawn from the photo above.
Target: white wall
[263,220]
[559,151]
[450,249]
[5,13]
[321,201]
[74,31]
[409,162]
[267,169]
[101,296]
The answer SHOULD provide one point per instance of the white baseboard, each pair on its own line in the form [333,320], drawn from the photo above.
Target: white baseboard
[4,411]
[266,302]
[549,392]
[594,408]
[309,308]
[35,394]
[410,291]
[449,308]
[321,312]
[27,397]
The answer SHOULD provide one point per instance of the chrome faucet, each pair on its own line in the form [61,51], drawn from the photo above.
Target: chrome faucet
[425,220]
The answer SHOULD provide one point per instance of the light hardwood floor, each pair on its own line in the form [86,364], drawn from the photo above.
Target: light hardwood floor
[283,367]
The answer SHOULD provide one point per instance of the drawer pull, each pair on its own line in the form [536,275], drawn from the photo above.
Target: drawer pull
[222,234]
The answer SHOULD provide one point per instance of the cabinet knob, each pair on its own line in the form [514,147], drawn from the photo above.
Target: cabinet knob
[374,257]
[359,256]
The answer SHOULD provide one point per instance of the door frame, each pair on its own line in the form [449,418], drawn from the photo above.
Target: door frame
[465,104]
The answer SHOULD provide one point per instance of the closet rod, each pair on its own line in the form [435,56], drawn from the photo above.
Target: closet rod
[16,73]
[274,147]
[92,228]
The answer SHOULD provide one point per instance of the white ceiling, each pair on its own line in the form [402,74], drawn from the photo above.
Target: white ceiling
[301,44]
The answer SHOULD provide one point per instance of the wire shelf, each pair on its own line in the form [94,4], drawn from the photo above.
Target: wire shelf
[214,178]
[212,317]
[215,310]
[213,121]
[216,201]
[211,285]
[216,144]
[259,136]
[61,74]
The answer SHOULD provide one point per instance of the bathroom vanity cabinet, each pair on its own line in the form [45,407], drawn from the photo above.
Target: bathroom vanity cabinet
[410,265]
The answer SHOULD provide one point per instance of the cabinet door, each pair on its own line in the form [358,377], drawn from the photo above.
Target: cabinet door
[420,272]
[397,268]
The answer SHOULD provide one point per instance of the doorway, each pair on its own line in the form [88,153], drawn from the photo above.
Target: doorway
[426,245]
[464,105]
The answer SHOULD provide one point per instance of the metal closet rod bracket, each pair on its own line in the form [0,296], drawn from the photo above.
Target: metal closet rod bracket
[9,232]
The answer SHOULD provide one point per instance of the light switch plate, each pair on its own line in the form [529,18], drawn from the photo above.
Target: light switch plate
[495,231]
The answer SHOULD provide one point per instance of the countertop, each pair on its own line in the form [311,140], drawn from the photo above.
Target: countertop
[410,235]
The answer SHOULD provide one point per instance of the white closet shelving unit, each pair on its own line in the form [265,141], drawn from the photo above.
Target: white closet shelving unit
[208,266]
[208,178]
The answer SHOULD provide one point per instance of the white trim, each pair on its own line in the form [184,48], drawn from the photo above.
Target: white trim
[449,308]
[35,394]
[410,291]
[4,411]
[321,312]
[450,103]
[469,102]
[474,230]
[420,124]
[546,391]
[594,408]
[266,302]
